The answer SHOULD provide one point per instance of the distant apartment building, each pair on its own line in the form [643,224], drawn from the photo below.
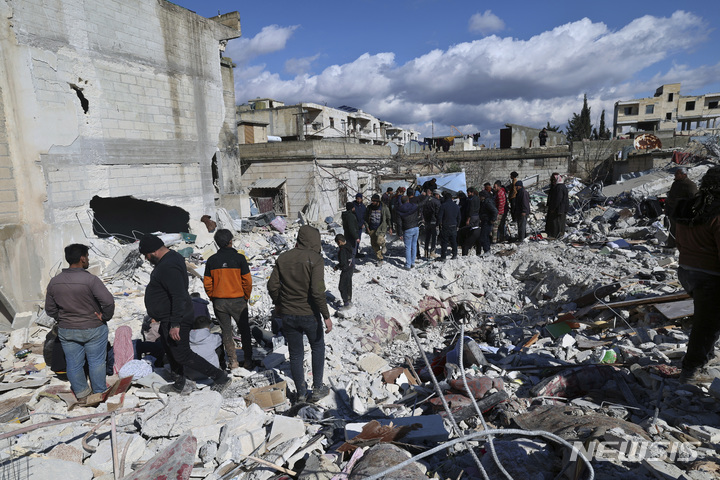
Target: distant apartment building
[667,110]
[265,119]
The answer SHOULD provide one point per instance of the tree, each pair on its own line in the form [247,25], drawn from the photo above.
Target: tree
[579,127]
[604,132]
[553,128]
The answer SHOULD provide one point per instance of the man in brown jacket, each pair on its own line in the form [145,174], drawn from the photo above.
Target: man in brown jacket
[297,288]
[82,306]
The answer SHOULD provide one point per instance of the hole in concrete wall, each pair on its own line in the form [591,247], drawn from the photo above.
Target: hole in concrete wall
[215,173]
[83,101]
[129,218]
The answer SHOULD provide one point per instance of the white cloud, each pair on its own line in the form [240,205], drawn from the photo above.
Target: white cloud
[299,66]
[485,23]
[270,39]
[494,80]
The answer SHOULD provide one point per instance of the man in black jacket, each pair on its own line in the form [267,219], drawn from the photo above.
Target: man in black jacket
[351,229]
[430,213]
[408,229]
[521,209]
[345,265]
[558,203]
[360,209]
[448,220]
[167,300]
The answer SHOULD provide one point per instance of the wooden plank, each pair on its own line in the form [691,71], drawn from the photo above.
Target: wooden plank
[642,301]
[675,310]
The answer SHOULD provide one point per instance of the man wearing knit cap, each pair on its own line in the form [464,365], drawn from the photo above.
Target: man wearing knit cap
[698,240]
[167,300]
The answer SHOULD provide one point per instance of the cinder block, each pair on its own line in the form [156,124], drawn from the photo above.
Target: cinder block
[8,196]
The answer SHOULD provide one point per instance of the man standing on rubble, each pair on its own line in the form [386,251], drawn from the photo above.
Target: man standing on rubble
[521,209]
[430,214]
[698,240]
[377,222]
[82,305]
[360,210]
[502,208]
[448,221]
[228,283]
[558,203]
[682,188]
[297,288]
[167,300]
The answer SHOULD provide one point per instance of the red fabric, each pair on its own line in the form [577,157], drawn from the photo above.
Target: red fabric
[501,200]
[123,347]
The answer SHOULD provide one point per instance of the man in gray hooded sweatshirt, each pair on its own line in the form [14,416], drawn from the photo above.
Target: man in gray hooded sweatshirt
[297,288]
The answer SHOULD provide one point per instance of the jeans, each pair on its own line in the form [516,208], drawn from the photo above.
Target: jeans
[294,326]
[227,310]
[90,343]
[704,289]
[411,238]
[180,355]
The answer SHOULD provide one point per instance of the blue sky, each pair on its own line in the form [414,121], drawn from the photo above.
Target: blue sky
[429,64]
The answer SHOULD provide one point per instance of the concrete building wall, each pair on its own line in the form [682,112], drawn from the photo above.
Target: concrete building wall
[103,98]
[316,172]
[8,193]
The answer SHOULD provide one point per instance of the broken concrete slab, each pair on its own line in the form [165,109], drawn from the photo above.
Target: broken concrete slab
[428,429]
[284,429]
[180,414]
[43,468]
[372,363]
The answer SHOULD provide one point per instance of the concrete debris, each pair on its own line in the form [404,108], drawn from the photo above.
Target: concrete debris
[581,337]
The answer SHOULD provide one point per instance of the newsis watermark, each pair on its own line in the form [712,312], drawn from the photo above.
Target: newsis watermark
[634,451]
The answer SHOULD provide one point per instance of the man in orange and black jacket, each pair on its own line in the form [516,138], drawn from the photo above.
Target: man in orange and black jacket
[228,283]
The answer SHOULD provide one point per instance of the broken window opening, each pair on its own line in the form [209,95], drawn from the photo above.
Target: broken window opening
[713,104]
[269,200]
[84,103]
[215,173]
[690,106]
[342,196]
[127,218]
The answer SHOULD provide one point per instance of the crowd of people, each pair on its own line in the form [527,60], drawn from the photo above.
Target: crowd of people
[460,220]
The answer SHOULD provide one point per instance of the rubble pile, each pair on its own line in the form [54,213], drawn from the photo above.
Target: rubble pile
[547,359]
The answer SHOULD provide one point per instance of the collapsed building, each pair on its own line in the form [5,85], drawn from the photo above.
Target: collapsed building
[107,100]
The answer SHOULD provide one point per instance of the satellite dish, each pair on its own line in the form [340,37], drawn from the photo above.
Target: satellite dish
[647,141]
[393,148]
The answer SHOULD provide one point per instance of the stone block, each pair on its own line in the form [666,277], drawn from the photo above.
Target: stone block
[372,363]
[663,470]
[235,447]
[207,433]
[39,468]
[432,429]
[705,433]
[181,414]
[715,388]
[284,429]
[102,458]
[251,418]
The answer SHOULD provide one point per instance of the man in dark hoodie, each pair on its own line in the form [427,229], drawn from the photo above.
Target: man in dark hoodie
[345,265]
[351,229]
[430,214]
[167,300]
[360,209]
[297,288]
[448,220]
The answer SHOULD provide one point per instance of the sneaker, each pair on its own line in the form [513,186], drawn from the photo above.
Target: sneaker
[319,393]
[407,267]
[454,257]
[379,263]
[301,398]
[221,384]
[441,259]
[699,375]
[249,364]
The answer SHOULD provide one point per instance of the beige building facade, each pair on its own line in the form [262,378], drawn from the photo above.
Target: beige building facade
[311,121]
[667,110]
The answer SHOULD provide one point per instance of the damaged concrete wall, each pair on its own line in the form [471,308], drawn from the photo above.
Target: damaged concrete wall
[102,98]
[316,172]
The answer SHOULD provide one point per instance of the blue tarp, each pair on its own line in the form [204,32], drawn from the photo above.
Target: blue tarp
[451,182]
